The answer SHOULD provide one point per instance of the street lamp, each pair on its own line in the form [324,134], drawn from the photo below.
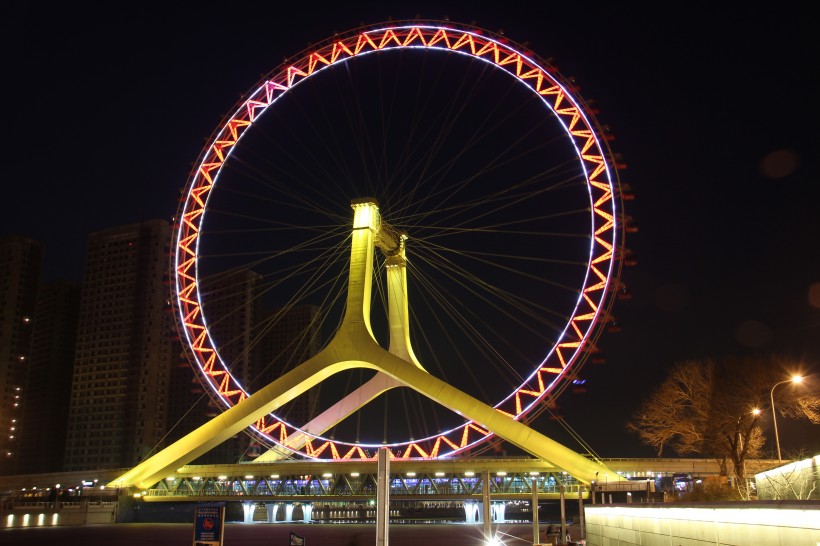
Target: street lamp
[756,413]
[794,379]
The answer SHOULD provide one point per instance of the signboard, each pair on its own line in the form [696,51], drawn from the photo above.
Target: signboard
[296,540]
[209,524]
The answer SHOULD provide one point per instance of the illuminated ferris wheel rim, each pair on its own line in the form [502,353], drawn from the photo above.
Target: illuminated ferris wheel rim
[579,126]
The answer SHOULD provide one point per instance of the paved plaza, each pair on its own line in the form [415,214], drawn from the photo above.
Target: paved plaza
[178,534]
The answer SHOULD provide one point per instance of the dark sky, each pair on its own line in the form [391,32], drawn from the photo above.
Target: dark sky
[714,111]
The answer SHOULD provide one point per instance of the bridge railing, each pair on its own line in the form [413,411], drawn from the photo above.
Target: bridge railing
[364,485]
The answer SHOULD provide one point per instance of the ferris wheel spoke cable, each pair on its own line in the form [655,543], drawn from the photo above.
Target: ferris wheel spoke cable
[383,167]
[311,285]
[514,257]
[316,162]
[567,427]
[275,203]
[442,233]
[401,175]
[308,245]
[504,195]
[441,195]
[438,208]
[433,147]
[179,421]
[413,218]
[358,130]
[266,179]
[410,407]
[406,157]
[444,302]
[468,328]
[502,306]
[332,297]
[443,261]
[367,145]
[323,236]
[447,126]
[445,330]
[317,264]
[477,286]
[462,277]
[258,166]
[515,200]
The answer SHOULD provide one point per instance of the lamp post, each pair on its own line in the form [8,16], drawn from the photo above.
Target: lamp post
[794,379]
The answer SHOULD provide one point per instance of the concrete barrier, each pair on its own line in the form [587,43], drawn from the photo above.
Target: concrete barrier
[774,523]
[48,514]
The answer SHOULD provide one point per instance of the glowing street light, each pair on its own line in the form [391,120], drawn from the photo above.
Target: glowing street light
[756,413]
[794,379]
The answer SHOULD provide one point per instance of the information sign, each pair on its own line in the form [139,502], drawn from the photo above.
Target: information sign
[209,524]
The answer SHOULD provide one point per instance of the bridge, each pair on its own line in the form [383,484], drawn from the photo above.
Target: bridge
[322,491]
[411,478]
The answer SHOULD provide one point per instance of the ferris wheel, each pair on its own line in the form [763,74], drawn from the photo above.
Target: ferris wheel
[483,162]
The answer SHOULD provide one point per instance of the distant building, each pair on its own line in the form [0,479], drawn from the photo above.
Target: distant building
[125,349]
[288,337]
[257,345]
[21,262]
[48,378]
[231,304]
[100,368]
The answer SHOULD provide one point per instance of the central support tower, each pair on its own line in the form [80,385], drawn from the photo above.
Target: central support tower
[354,346]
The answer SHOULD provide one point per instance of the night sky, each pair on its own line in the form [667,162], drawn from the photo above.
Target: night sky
[714,112]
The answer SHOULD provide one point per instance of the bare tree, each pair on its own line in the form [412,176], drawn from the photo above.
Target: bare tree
[676,413]
[715,408]
[798,480]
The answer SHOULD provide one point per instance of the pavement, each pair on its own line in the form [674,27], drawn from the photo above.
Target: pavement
[278,534]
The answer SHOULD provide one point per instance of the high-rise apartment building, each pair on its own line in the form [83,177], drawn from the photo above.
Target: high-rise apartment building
[21,262]
[125,349]
[47,389]
[257,344]
[230,301]
[288,337]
